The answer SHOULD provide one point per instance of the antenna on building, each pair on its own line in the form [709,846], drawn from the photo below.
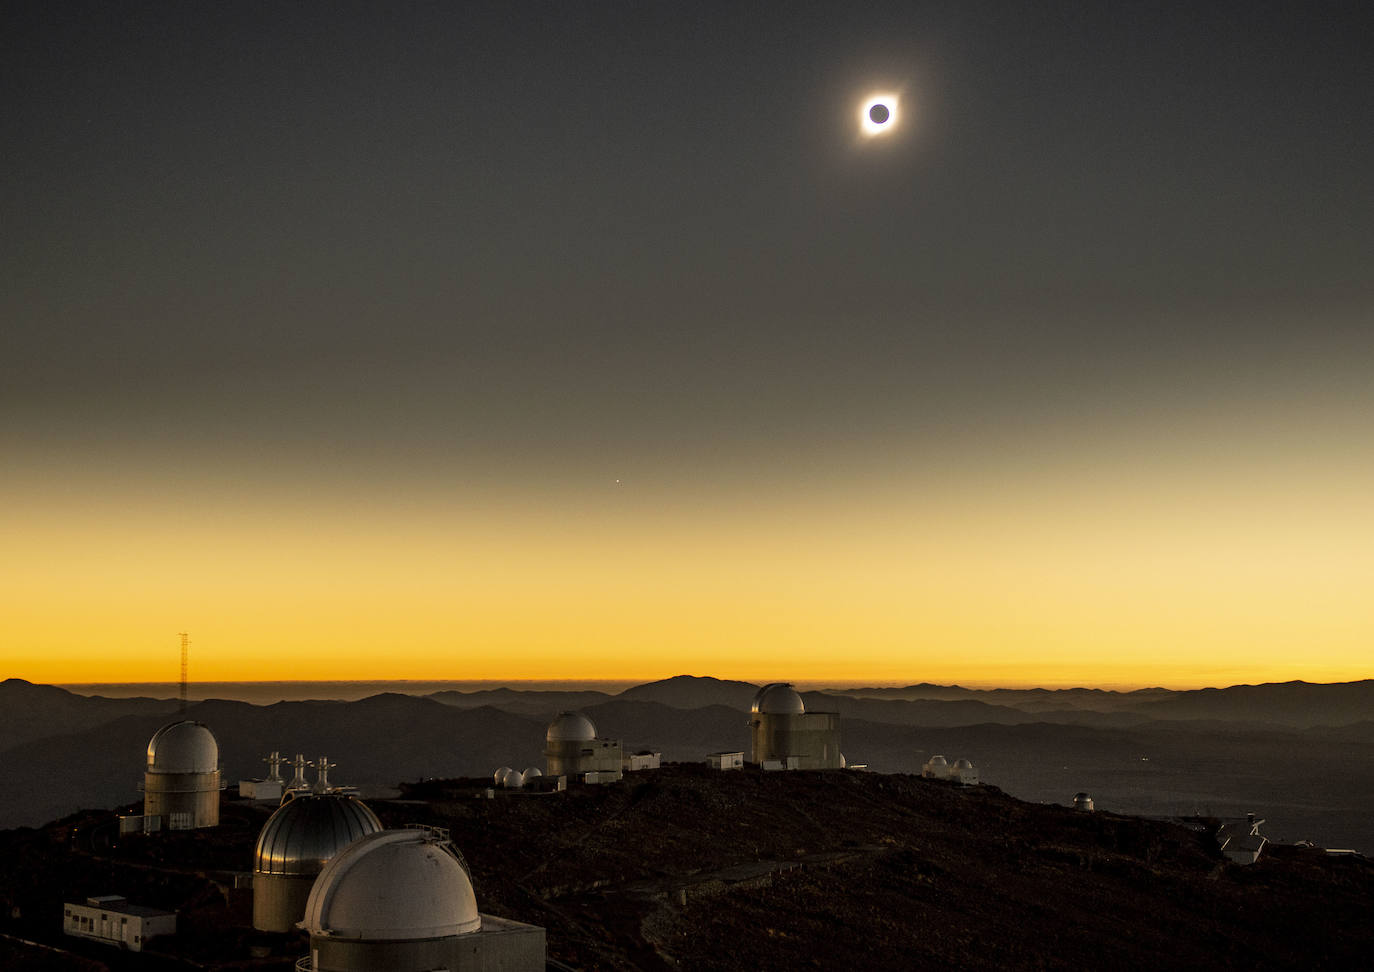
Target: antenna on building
[323,765]
[185,643]
[299,782]
[275,762]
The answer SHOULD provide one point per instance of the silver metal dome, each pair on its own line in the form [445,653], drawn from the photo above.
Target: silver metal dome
[308,830]
[778,698]
[183,747]
[570,727]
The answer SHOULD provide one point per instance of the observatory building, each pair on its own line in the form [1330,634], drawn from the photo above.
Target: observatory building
[182,782]
[785,736]
[402,901]
[964,771]
[293,847]
[572,749]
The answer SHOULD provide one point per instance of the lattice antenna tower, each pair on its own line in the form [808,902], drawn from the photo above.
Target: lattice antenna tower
[185,645]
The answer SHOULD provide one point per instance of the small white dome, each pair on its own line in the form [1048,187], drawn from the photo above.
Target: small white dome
[183,747]
[501,775]
[531,772]
[778,698]
[571,727]
[938,761]
[962,764]
[392,885]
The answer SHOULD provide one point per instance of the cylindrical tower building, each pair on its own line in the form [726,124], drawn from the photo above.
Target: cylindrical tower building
[294,846]
[568,738]
[182,781]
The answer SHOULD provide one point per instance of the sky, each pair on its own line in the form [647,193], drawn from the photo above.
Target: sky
[595,341]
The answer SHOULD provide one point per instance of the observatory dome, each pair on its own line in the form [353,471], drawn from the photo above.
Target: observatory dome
[962,764]
[183,747]
[570,727]
[531,772]
[308,830]
[393,885]
[778,698]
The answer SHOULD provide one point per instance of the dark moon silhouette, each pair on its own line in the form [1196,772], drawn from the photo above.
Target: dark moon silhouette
[879,114]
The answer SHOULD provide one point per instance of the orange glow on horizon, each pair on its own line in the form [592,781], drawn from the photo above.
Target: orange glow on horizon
[1152,562]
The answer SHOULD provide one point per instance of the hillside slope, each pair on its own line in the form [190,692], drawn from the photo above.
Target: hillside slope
[685,868]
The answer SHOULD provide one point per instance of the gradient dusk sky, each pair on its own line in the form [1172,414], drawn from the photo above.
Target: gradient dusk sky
[592,340]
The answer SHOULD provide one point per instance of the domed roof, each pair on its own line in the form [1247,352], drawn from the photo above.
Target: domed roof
[531,772]
[506,776]
[571,727]
[308,830]
[391,885]
[962,764]
[938,761]
[183,747]
[778,698]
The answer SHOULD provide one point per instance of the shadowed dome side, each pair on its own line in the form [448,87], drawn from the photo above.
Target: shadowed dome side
[393,885]
[183,747]
[570,727]
[307,831]
[778,698]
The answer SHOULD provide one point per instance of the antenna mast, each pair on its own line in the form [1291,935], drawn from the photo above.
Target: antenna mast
[185,641]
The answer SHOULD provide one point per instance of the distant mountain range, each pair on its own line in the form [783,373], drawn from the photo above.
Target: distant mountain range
[1302,754]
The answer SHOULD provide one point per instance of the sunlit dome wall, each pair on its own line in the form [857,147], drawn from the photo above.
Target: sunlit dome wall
[401,901]
[782,731]
[572,749]
[181,782]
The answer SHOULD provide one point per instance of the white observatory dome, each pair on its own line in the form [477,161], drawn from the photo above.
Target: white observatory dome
[308,830]
[962,764]
[570,727]
[502,775]
[390,886]
[183,747]
[778,698]
[531,772]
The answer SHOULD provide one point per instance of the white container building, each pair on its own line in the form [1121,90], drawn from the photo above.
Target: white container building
[112,919]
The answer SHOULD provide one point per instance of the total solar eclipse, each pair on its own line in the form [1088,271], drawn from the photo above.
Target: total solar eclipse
[878,114]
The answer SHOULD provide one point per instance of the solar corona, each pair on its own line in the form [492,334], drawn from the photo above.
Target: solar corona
[878,115]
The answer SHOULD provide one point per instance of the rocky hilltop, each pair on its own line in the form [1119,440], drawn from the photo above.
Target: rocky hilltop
[685,868]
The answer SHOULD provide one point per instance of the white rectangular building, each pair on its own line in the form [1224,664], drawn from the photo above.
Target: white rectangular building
[643,760]
[725,761]
[110,918]
[261,791]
